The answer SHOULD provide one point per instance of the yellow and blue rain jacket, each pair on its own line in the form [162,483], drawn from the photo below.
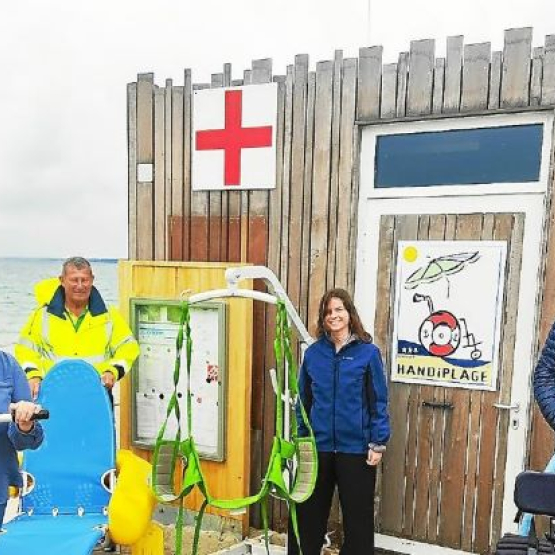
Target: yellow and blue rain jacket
[102,339]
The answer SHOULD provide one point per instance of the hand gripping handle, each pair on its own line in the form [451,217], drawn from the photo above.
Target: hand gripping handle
[43,414]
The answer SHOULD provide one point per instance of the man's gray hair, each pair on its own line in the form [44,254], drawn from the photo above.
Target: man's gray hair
[76,262]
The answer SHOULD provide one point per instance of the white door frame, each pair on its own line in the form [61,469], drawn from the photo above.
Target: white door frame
[462,200]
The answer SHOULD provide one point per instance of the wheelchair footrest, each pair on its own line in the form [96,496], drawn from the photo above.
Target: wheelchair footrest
[511,544]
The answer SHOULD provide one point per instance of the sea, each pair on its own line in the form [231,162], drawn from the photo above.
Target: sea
[18,277]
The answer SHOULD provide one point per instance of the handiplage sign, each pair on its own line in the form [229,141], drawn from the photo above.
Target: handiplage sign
[447,317]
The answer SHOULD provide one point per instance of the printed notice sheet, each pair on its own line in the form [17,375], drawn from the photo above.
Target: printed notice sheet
[156,328]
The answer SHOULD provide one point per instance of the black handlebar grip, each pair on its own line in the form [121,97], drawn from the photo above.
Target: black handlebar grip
[43,414]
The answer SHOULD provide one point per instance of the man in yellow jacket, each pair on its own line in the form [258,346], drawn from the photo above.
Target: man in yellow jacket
[72,321]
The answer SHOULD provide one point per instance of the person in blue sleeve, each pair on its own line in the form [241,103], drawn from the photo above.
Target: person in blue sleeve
[544,379]
[22,433]
[343,388]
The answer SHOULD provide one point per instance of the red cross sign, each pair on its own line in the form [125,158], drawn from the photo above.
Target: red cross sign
[234,138]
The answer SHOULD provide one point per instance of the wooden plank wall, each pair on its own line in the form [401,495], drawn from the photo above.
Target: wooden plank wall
[305,229]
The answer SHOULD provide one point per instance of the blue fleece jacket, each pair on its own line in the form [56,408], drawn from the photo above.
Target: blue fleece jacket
[345,396]
[544,379]
[13,388]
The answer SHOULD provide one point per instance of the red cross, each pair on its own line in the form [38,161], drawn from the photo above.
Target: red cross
[233,138]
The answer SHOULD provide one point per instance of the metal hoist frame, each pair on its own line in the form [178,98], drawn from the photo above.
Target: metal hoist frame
[289,452]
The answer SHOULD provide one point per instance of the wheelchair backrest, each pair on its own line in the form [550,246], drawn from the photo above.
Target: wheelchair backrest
[79,443]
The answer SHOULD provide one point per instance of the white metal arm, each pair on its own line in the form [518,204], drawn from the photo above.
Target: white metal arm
[221,293]
[234,275]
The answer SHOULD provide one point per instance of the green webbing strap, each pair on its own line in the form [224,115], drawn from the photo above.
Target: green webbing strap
[285,331]
[305,447]
[198,525]
[265,521]
[179,527]
[281,450]
[278,351]
[189,350]
[166,494]
[295,523]
[286,362]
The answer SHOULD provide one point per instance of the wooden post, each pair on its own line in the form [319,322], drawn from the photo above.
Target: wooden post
[421,76]
[515,85]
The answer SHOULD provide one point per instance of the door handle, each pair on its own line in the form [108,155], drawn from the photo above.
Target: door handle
[500,406]
[437,405]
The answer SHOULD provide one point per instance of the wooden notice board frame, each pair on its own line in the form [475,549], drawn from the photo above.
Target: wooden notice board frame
[155,324]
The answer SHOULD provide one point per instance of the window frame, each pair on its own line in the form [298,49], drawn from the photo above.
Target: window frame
[370,133]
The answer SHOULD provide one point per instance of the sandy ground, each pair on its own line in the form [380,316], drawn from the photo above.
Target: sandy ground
[210,542]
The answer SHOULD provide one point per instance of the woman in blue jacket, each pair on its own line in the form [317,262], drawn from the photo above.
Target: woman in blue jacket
[23,433]
[343,388]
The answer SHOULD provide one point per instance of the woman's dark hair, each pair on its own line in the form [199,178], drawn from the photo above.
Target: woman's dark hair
[355,324]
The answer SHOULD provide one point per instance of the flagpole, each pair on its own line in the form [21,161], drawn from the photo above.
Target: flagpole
[369,30]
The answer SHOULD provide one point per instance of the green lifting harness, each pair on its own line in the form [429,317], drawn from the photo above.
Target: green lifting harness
[303,449]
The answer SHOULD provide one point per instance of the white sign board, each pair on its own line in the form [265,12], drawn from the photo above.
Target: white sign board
[234,138]
[448,307]
[156,327]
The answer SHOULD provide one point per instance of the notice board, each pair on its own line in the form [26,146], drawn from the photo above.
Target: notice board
[155,324]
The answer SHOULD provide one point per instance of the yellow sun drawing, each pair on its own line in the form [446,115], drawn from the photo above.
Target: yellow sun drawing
[410,254]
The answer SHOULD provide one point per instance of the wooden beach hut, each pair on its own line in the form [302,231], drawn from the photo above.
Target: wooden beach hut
[349,198]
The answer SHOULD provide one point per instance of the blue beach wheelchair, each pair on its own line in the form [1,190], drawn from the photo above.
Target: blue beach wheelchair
[65,510]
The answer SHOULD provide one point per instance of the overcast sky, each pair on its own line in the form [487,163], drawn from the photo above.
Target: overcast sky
[65,65]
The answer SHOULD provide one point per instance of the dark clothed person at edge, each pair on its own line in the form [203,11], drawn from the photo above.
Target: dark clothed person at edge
[343,388]
[544,379]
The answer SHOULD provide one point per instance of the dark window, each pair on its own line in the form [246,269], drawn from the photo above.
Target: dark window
[510,154]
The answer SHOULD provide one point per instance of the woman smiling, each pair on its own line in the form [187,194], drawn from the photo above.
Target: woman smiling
[343,388]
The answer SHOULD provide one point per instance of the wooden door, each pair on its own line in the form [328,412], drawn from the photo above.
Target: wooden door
[443,474]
